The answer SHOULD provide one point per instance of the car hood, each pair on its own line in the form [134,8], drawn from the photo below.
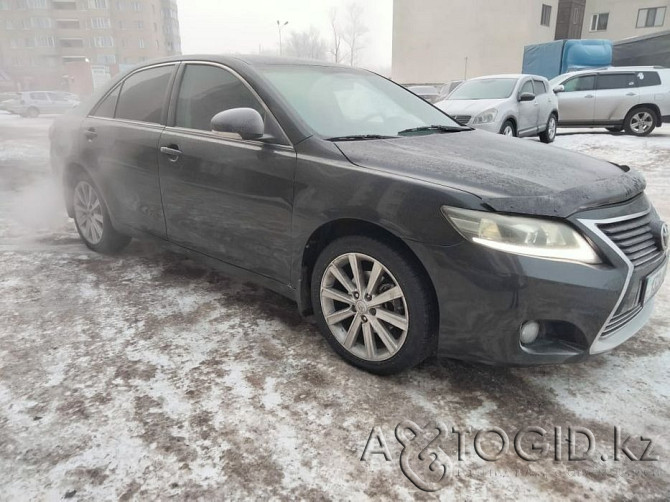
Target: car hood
[468,106]
[508,174]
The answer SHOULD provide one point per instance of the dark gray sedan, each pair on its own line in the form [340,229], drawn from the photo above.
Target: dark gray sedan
[403,232]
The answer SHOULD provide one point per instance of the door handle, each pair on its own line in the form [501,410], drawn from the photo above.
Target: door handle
[90,133]
[631,94]
[589,96]
[172,153]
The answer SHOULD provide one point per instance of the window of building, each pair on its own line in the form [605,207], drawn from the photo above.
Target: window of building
[599,21]
[616,81]
[121,5]
[13,43]
[139,25]
[649,18]
[546,15]
[143,95]
[72,42]
[103,41]
[136,6]
[107,106]
[648,79]
[30,42]
[48,41]
[4,4]
[68,24]
[207,90]
[65,5]
[141,44]
[97,4]
[583,83]
[73,59]
[40,22]
[100,23]
[106,59]
[37,4]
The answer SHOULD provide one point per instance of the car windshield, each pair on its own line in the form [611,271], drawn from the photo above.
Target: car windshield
[342,102]
[485,88]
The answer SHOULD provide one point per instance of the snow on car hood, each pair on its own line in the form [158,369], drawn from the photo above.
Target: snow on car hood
[468,106]
[509,174]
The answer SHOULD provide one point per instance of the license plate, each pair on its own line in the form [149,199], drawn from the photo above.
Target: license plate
[653,282]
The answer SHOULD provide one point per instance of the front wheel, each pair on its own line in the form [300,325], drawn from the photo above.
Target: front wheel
[373,305]
[549,134]
[508,129]
[92,219]
[640,122]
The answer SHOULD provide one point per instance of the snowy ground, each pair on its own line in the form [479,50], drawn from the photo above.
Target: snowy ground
[147,376]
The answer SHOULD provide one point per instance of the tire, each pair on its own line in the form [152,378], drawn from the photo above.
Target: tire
[32,112]
[640,121]
[549,134]
[508,129]
[91,218]
[362,333]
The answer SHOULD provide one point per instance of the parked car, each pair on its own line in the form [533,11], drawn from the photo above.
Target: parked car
[5,97]
[631,99]
[427,92]
[448,88]
[405,233]
[512,105]
[33,103]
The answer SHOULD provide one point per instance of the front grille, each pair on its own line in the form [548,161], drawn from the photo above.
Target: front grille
[635,238]
[620,320]
[463,119]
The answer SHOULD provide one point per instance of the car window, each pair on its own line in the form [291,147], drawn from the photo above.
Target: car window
[107,106]
[648,79]
[143,95]
[38,96]
[485,88]
[57,97]
[207,90]
[583,83]
[616,81]
[539,87]
[527,87]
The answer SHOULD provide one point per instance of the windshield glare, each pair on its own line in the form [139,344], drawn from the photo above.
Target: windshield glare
[486,88]
[337,102]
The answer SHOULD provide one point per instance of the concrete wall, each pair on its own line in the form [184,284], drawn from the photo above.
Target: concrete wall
[432,38]
[622,18]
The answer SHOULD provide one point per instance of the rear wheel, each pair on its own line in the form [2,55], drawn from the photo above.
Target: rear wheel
[640,121]
[549,134]
[373,305]
[92,219]
[508,129]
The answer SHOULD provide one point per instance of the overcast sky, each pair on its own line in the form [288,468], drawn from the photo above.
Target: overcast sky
[245,26]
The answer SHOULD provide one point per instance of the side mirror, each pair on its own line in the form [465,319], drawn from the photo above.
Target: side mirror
[246,122]
[559,88]
[526,96]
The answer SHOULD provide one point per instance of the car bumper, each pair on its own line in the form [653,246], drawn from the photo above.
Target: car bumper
[485,296]
[493,127]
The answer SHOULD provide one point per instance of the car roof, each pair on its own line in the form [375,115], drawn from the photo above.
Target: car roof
[614,69]
[509,75]
[248,59]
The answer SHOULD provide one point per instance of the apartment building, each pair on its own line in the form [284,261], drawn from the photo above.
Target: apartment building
[47,43]
[437,41]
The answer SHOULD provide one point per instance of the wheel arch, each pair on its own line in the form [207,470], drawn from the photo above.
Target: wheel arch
[332,230]
[70,173]
[652,106]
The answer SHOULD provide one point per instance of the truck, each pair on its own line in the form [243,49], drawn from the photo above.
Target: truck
[551,59]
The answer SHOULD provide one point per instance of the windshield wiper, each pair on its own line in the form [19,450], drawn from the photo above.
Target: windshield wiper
[359,137]
[438,128]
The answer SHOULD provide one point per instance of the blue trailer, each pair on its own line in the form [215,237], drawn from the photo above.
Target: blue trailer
[555,58]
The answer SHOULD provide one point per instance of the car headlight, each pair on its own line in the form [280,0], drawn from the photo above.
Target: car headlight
[486,117]
[522,235]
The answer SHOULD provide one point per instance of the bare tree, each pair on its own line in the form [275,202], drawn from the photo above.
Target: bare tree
[306,44]
[336,48]
[355,30]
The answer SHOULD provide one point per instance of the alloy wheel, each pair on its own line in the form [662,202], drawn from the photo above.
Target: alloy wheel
[551,128]
[508,131]
[641,122]
[364,307]
[88,212]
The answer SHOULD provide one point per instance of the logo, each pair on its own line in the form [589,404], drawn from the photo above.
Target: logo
[662,234]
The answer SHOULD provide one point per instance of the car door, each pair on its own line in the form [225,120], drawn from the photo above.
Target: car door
[616,94]
[528,111]
[545,105]
[120,148]
[59,104]
[40,101]
[576,103]
[225,197]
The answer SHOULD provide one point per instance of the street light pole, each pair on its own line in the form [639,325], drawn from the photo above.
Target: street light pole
[279,28]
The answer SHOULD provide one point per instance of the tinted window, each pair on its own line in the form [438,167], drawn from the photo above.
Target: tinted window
[648,78]
[539,86]
[207,90]
[143,95]
[39,96]
[616,81]
[108,105]
[485,88]
[527,87]
[585,83]
[57,97]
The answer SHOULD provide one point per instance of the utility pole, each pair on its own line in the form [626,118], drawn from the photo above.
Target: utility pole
[279,28]
[465,77]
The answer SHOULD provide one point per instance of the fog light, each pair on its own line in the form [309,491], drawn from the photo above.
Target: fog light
[529,332]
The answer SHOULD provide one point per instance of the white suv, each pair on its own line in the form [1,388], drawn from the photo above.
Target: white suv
[32,103]
[635,99]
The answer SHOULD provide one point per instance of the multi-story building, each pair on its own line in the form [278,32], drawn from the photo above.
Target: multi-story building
[441,40]
[45,43]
